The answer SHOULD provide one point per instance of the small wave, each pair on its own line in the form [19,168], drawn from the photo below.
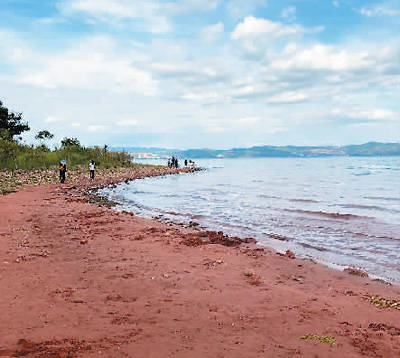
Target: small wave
[382,198]
[361,174]
[279,237]
[368,207]
[303,201]
[330,215]
[308,246]
[269,196]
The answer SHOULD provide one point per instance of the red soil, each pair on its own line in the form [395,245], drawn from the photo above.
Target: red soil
[78,280]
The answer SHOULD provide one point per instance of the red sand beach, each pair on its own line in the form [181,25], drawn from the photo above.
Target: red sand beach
[80,280]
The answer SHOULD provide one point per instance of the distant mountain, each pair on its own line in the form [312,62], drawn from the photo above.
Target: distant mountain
[370,149]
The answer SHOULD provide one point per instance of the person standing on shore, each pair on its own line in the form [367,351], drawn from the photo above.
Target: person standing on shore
[63,169]
[92,167]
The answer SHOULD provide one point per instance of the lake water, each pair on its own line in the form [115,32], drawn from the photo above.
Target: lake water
[339,211]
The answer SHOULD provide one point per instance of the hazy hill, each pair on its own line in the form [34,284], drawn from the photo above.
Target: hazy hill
[366,150]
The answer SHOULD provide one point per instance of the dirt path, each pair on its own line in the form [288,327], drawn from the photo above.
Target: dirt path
[78,280]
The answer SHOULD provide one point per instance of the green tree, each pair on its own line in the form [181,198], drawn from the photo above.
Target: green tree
[70,142]
[45,134]
[11,123]
[42,136]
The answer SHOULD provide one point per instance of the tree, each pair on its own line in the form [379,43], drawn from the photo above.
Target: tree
[11,123]
[42,136]
[70,142]
[45,134]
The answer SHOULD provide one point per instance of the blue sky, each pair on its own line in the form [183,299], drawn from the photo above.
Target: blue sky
[204,73]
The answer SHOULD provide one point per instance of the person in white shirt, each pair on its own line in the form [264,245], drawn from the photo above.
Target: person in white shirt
[91,168]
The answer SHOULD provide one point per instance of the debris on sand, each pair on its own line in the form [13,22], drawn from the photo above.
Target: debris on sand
[355,272]
[384,303]
[323,339]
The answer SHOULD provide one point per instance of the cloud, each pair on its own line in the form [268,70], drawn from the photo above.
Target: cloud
[51,119]
[288,97]
[378,10]
[127,123]
[335,3]
[253,27]
[154,15]
[212,33]
[370,114]
[12,49]
[322,57]
[258,36]
[208,97]
[98,128]
[93,64]
[115,11]
[238,9]
[193,5]
[289,14]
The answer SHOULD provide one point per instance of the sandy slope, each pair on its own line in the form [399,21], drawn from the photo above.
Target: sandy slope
[78,280]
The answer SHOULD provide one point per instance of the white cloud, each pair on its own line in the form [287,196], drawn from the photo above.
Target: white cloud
[155,15]
[194,5]
[289,14]
[322,57]
[238,9]
[208,97]
[151,12]
[212,33]
[12,49]
[288,97]
[258,36]
[249,120]
[98,128]
[374,114]
[127,123]
[93,64]
[253,27]
[335,3]
[378,10]
[51,119]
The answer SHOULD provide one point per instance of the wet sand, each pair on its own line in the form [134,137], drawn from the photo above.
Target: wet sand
[80,280]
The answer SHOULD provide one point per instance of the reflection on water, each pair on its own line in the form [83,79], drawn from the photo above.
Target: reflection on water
[339,211]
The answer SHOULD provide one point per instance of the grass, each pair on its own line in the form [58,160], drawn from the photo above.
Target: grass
[15,156]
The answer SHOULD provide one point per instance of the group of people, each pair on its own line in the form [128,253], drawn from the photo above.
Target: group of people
[63,170]
[173,163]
[190,163]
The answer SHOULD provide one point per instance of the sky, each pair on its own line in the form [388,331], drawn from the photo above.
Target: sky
[203,73]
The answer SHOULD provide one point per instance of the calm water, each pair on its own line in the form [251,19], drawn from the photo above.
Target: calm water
[339,211]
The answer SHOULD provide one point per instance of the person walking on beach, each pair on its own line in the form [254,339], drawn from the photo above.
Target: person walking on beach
[63,169]
[92,166]
[186,162]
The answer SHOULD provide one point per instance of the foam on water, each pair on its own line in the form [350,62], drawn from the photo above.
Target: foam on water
[323,206]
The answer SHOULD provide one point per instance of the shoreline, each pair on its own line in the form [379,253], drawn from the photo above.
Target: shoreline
[82,280]
[356,270]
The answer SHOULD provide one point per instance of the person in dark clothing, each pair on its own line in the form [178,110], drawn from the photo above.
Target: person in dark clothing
[186,163]
[92,166]
[63,169]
